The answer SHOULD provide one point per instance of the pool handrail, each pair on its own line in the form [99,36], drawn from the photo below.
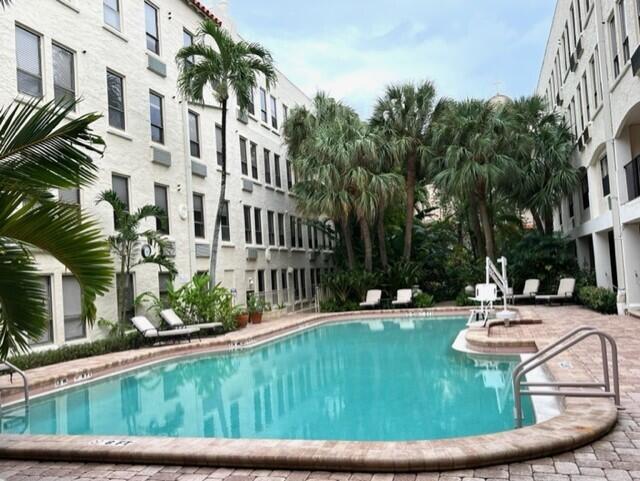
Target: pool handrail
[25,381]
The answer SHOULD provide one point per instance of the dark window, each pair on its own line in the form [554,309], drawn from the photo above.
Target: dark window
[296,285]
[267,166]
[164,280]
[254,161]
[47,334]
[28,62]
[120,186]
[257,213]
[248,237]
[252,104]
[225,230]
[271,228]
[151,27]
[111,13]
[292,230]
[156,117]
[303,283]
[115,94]
[284,284]
[187,41]
[64,81]
[243,156]
[571,211]
[194,134]
[632,173]
[604,169]
[584,187]
[274,286]
[274,112]
[300,244]
[261,281]
[289,178]
[309,237]
[69,196]
[315,237]
[622,17]
[74,325]
[613,38]
[312,276]
[263,105]
[198,215]
[281,234]
[276,168]
[162,201]
[219,145]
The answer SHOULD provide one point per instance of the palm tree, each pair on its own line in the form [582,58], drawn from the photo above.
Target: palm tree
[543,147]
[231,67]
[473,146]
[39,151]
[402,118]
[126,243]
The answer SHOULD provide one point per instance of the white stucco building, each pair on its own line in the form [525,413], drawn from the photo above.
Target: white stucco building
[118,57]
[590,74]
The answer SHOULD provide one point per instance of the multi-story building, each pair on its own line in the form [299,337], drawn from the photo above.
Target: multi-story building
[119,57]
[590,75]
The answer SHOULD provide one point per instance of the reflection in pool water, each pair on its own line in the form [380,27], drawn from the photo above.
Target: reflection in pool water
[371,380]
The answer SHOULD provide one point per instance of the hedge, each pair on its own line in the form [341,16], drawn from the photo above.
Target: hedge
[598,298]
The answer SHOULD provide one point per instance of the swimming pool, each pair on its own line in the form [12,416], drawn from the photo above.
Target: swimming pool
[387,379]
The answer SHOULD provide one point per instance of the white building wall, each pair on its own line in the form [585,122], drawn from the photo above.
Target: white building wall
[79,26]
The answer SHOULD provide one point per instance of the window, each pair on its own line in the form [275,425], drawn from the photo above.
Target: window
[289,179]
[194,135]
[309,237]
[281,234]
[243,156]
[312,274]
[587,99]
[579,10]
[225,231]
[267,166]
[638,9]
[315,237]
[573,26]
[120,186]
[274,287]
[296,285]
[257,217]
[28,62]
[285,112]
[151,28]
[594,80]
[624,38]
[252,105]
[111,13]
[571,211]
[47,334]
[292,230]
[162,201]
[263,105]
[69,196]
[156,117]
[276,166]
[74,325]
[284,285]
[632,173]
[274,113]
[604,171]
[261,282]
[271,232]
[115,97]
[164,281]
[219,145]
[584,187]
[248,237]
[254,160]
[300,244]
[128,295]
[613,38]
[303,283]
[198,215]
[580,109]
[64,82]
[187,41]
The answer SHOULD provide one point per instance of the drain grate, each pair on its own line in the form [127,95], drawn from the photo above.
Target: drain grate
[113,443]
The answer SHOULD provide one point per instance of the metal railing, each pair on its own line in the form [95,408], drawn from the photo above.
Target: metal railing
[577,389]
[25,383]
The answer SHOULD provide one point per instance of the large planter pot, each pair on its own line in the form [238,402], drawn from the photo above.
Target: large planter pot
[242,320]
[255,317]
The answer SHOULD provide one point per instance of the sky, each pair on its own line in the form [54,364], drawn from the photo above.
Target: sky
[353,49]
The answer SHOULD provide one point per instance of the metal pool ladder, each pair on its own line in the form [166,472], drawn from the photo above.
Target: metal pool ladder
[603,389]
[11,369]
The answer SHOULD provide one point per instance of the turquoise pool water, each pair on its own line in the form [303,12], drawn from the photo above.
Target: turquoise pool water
[372,380]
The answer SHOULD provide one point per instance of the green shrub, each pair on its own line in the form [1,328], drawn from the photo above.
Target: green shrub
[423,300]
[462,299]
[332,305]
[598,298]
[77,351]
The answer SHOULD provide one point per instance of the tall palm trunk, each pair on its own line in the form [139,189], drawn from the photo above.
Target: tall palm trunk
[487,228]
[382,246]
[548,221]
[411,199]
[366,240]
[347,238]
[223,188]
[479,243]
[538,221]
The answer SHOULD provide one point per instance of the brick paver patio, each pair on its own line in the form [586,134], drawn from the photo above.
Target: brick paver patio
[614,458]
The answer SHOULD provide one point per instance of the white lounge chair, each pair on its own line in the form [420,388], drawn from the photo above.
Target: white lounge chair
[403,297]
[151,332]
[529,292]
[565,292]
[373,298]
[173,320]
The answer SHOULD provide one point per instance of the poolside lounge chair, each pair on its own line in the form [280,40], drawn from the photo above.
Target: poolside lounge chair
[151,332]
[565,292]
[403,297]
[170,317]
[373,298]
[529,292]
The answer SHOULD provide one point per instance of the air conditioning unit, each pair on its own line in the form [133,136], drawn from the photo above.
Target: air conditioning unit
[243,116]
[267,254]
[252,254]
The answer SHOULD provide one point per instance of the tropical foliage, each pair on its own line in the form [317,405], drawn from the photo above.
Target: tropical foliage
[41,151]
[598,298]
[217,62]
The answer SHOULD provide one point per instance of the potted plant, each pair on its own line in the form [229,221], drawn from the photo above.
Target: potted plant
[242,316]
[256,306]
